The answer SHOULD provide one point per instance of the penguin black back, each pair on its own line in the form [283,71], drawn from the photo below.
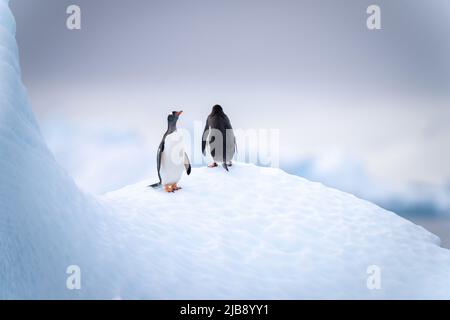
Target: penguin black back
[221,124]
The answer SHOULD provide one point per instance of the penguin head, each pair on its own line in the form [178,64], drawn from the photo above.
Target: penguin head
[173,118]
[217,109]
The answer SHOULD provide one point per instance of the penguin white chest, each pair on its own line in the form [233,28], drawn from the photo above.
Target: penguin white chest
[172,159]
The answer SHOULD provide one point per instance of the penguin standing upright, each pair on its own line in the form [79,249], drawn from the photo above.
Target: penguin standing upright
[219,135]
[172,159]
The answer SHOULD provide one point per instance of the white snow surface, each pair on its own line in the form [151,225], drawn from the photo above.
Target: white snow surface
[250,233]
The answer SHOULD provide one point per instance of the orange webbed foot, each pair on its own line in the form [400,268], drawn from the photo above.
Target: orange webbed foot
[168,188]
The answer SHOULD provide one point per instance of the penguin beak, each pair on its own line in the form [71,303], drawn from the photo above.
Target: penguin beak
[179,113]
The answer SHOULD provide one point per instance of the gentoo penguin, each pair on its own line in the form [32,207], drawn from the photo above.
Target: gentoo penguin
[172,159]
[220,137]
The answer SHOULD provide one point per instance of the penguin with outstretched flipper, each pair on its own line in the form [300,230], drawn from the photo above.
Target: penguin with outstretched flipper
[219,136]
[172,159]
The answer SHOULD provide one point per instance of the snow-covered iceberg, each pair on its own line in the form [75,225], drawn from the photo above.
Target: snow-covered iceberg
[250,233]
[46,223]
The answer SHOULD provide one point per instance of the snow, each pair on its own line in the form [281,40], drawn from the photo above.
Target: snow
[250,233]
[46,223]
[261,233]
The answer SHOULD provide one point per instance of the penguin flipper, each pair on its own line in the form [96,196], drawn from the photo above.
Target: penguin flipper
[187,164]
[158,158]
[205,137]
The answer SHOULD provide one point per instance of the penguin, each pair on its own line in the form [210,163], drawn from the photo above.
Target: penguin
[218,127]
[172,159]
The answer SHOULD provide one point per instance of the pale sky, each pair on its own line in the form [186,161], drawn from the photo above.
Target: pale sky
[338,93]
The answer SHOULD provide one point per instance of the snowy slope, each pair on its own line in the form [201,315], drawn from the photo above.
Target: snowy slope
[250,233]
[261,233]
[46,223]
